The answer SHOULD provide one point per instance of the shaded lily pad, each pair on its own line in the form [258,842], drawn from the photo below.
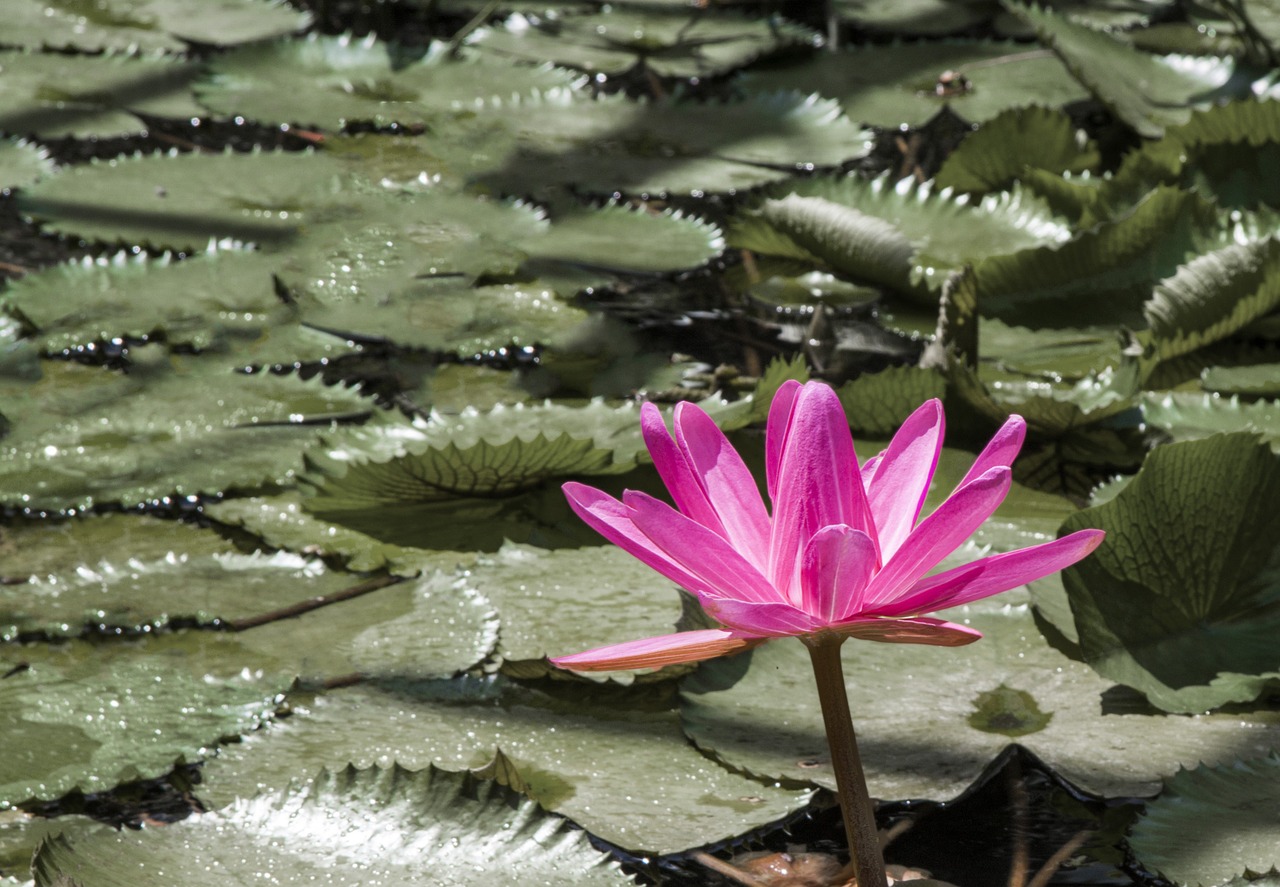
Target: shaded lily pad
[90,716]
[53,94]
[912,707]
[82,435]
[903,83]
[148,24]
[671,42]
[1212,823]
[1013,141]
[347,827]
[622,770]
[1179,600]
[78,304]
[1262,380]
[331,82]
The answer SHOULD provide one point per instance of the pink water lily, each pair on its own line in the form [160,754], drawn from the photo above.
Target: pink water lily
[843,552]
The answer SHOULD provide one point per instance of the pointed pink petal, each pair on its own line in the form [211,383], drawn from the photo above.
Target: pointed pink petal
[921,630]
[768,620]
[614,521]
[667,649]
[937,536]
[869,469]
[897,489]
[818,484]
[1000,450]
[727,483]
[705,555]
[994,574]
[836,566]
[674,469]
[775,436]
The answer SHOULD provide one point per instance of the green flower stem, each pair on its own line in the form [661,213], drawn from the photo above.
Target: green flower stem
[851,784]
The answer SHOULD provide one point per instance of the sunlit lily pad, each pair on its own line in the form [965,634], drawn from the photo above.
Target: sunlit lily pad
[1212,823]
[53,94]
[148,24]
[22,163]
[1186,415]
[90,716]
[670,42]
[912,707]
[622,770]
[78,304]
[1179,600]
[330,82]
[554,603]
[1260,380]
[1013,141]
[905,84]
[82,435]
[347,827]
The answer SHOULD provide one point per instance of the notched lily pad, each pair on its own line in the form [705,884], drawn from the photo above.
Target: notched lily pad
[347,827]
[331,82]
[1013,141]
[21,163]
[1179,601]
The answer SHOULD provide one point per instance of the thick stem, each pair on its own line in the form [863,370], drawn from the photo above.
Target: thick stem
[851,784]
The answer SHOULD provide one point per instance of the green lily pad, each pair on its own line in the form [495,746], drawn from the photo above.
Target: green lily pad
[615,145]
[1179,600]
[912,707]
[903,83]
[916,18]
[621,769]
[77,304]
[332,82]
[1147,92]
[1213,823]
[670,42]
[81,435]
[1185,415]
[877,404]
[347,827]
[22,163]
[905,236]
[1262,380]
[1013,141]
[560,602]
[54,94]
[147,24]
[90,716]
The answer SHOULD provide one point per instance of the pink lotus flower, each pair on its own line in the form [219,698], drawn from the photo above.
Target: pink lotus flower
[842,553]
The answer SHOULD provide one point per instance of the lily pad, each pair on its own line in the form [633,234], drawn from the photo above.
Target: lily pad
[620,769]
[21,163]
[1179,600]
[147,24]
[347,827]
[82,435]
[54,94]
[332,82]
[78,304]
[1186,415]
[904,84]
[912,707]
[1213,823]
[91,716]
[671,42]
[1013,141]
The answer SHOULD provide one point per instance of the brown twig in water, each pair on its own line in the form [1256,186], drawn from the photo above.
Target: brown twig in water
[1053,863]
[729,870]
[315,603]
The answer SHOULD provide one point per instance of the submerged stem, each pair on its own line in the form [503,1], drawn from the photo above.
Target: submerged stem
[851,783]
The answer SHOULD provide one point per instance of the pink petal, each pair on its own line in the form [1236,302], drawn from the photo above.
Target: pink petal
[667,649]
[921,630]
[614,521]
[938,535]
[767,620]
[727,483]
[676,472]
[775,436]
[992,575]
[869,469]
[718,567]
[818,484]
[836,566]
[897,489]
[1000,450]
